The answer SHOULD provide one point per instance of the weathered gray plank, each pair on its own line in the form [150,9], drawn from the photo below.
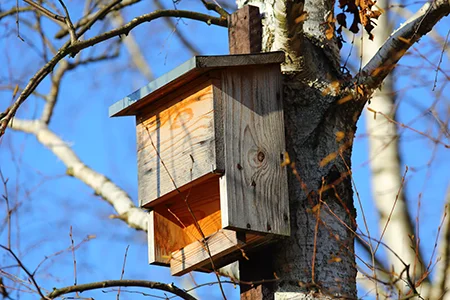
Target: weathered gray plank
[254,194]
[245,30]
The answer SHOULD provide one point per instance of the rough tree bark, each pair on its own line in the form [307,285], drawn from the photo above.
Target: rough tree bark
[318,260]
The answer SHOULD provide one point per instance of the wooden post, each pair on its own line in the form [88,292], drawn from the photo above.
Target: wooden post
[245,31]
[256,269]
[245,36]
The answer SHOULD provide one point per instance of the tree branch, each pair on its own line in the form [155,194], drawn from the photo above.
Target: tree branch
[122,203]
[68,21]
[173,26]
[133,48]
[51,15]
[65,66]
[434,34]
[22,266]
[217,8]
[86,19]
[125,29]
[54,91]
[442,278]
[400,41]
[72,49]
[113,283]
[16,10]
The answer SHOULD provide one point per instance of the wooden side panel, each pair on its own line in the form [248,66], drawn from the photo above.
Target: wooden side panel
[176,143]
[195,255]
[254,194]
[163,237]
[172,225]
[200,200]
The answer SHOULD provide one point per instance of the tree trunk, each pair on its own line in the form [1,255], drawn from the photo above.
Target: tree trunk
[317,261]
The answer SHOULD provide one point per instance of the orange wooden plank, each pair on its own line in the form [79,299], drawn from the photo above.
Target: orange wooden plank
[196,255]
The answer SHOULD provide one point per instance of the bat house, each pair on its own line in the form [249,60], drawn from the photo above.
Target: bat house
[210,147]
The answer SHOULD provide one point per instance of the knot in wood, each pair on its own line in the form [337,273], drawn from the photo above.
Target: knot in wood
[261,156]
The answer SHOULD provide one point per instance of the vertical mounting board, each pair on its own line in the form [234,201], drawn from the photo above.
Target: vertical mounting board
[254,193]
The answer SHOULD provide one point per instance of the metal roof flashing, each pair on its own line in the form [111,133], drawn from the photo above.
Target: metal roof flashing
[194,67]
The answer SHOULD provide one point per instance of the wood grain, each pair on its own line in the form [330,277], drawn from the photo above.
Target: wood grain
[254,195]
[172,226]
[195,255]
[245,31]
[203,200]
[164,237]
[176,143]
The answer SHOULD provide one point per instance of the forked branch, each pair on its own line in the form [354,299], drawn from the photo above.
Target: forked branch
[117,283]
[73,48]
[400,41]
[114,195]
[395,47]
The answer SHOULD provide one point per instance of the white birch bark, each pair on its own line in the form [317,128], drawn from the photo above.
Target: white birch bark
[111,193]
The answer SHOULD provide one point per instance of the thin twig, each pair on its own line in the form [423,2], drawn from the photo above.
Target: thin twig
[317,207]
[51,15]
[123,270]
[17,21]
[74,259]
[69,49]
[8,210]
[172,25]
[393,207]
[217,8]
[68,21]
[113,6]
[22,266]
[440,61]
[70,248]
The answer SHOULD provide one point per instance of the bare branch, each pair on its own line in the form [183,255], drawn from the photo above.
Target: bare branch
[80,45]
[51,15]
[133,48]
[124,30]
[54,91]
[68,21]
[83,21]
[113,283]
[16,10]
[172,25]
[56,78]
[122,203]
[22,266]
[217,8]
[442,278]
[401,40]
[406,14]
[8,209]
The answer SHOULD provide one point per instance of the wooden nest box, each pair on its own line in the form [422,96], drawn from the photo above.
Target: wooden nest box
[210,146]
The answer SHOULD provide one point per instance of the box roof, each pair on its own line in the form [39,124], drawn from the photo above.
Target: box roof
[184,73]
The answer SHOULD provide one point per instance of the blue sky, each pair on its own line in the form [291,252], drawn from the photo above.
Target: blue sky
[51,203]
